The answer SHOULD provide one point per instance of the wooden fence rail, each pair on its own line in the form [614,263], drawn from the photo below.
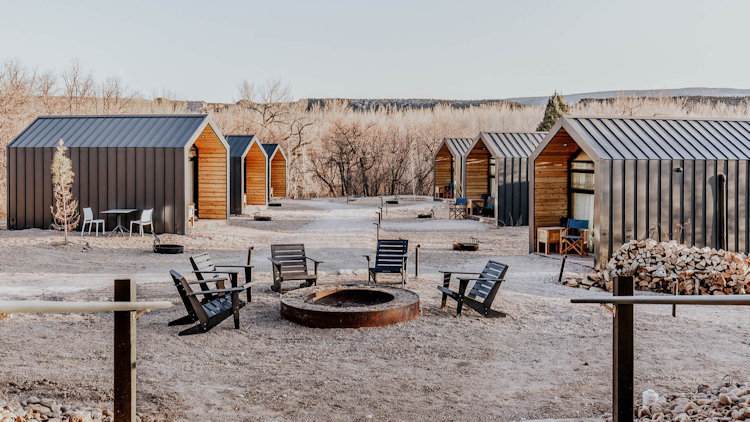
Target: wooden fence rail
[124,308]
[622,334]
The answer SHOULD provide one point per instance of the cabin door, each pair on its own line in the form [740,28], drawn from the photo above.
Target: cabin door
[192,177]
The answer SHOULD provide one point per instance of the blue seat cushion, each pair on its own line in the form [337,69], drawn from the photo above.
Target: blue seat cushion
[572,237]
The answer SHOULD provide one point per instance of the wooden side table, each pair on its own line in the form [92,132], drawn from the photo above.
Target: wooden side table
[548,235]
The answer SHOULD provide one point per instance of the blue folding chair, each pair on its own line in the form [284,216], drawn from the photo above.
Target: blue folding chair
[575,237]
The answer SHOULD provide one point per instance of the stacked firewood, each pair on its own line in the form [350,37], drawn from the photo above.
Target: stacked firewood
[664,266]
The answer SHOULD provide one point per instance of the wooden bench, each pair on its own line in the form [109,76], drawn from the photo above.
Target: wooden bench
[215,305]
[390,258]
[482,293]
[205,269]
[289,263]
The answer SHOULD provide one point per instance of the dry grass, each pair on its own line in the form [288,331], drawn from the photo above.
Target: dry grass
[393,147]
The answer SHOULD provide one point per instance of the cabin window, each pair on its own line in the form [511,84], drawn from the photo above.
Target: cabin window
[582,188]
[491,185]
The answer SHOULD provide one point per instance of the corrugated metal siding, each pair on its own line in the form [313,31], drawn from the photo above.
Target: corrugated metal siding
[511,151]
[113,170]
[641,193]
[154,131]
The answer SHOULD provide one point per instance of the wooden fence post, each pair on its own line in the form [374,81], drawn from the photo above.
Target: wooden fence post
[124,354]
[622,353]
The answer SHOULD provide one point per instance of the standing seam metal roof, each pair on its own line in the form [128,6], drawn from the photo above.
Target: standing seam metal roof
[238,144]
[513,144]
[459,145]
[626,138]
[270,148]
[125,131]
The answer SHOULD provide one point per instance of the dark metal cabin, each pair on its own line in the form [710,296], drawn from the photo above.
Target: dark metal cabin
[249,174]
[277,170]
[449,165]
[497,165]
[163,162]
[673,178]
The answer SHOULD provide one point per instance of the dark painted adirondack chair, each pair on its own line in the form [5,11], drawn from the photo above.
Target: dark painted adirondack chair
[214,305]
[289,263]
[205,269]
[482,293]
[390,258]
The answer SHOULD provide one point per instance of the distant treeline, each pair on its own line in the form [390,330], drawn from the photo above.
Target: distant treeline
[367,105]
[687,101]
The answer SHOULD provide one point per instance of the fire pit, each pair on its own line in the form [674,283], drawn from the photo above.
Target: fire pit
[349,306]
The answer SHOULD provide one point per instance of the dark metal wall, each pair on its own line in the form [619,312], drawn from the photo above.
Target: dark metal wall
[236,184]
[105,178]
[649,198]
[512,204]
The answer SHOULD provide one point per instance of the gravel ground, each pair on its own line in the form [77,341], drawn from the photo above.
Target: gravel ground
[547,359]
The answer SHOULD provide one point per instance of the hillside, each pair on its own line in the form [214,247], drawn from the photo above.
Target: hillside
[653,93]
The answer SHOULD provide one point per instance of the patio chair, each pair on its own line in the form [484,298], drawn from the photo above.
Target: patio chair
[205,270]
[88,218]
[482,293]
[575,237]
[145,220]
[390,258]
[215,305]
[289,263]
[449,190]
[458,210]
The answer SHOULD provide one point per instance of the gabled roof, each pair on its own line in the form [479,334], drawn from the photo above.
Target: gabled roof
[458,146]
[126,131]
[510,144]
[273,149]
[270,149]
[625,138]
[239,144]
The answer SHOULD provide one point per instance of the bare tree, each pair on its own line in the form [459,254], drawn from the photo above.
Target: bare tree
[114,96]
[78,87]
[65,210]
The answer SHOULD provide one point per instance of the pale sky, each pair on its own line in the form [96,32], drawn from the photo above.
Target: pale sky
[387,49]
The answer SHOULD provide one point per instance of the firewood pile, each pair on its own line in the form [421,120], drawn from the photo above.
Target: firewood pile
[659,266]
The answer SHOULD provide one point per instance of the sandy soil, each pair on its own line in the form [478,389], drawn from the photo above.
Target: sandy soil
[547,359]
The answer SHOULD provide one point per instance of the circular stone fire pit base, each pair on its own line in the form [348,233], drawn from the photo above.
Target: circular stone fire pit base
[349,306]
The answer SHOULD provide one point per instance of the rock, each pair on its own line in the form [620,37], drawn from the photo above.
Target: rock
[724,399]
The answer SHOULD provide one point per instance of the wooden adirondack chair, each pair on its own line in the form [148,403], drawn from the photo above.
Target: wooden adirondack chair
[390,258]
[482,293]
[289,263]
[215,305]
[205,269]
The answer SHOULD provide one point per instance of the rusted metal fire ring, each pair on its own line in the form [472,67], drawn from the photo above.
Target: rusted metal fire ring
[349,306]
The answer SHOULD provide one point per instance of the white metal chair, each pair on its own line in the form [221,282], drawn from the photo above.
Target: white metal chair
[88,218]
[144,221]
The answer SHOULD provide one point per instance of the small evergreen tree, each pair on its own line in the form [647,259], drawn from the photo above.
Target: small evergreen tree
[65,210]
[556,108]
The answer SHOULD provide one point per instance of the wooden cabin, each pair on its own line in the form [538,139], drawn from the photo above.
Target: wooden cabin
[249,172]
[448,167]
[631,178]
[496,167]
[164,162]
[277,171]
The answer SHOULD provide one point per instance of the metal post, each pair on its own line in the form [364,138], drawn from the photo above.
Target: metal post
[416,261]
[562,268]
[721,210]
[124,354]
[622,353]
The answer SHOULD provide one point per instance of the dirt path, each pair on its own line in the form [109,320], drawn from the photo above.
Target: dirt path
[547,359]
